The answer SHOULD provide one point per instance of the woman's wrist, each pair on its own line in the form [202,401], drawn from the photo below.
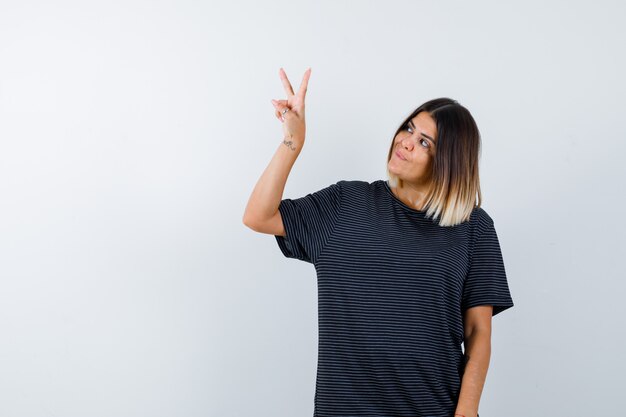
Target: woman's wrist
[293,142]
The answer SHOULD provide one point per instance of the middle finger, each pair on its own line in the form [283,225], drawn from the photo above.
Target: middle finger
[304,84]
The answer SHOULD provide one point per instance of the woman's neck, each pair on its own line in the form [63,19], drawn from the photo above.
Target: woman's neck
[411,196]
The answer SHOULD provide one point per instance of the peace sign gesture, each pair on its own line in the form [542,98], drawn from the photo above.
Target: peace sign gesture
[291,111]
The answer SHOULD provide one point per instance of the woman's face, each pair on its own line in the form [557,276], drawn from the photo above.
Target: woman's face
[415,144]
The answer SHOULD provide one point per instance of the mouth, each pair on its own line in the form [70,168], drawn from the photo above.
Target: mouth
[399,155]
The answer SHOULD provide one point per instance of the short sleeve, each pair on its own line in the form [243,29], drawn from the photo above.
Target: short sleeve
[309,222]
[486,281]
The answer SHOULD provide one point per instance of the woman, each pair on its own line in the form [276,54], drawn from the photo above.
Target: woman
[408,269]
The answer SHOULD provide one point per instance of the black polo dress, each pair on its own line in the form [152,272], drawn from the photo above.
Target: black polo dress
[392,289]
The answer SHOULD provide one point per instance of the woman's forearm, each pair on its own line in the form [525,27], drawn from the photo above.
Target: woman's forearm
[268,191]
[477,356]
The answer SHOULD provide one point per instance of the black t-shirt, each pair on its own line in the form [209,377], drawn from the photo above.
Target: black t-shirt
[392,289]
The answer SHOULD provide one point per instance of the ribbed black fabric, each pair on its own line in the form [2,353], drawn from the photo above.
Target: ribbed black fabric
[392,289]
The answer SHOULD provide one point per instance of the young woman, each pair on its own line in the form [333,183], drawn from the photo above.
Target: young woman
[409,269]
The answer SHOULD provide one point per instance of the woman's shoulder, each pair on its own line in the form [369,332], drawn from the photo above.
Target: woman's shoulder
[357,182]
[480,214]
[358,185]
[480,219]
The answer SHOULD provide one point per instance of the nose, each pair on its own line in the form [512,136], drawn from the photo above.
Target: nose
[407,142]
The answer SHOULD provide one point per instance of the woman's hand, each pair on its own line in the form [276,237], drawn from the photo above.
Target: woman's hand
[294,127]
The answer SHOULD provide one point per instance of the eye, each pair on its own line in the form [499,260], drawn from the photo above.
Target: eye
[410,130]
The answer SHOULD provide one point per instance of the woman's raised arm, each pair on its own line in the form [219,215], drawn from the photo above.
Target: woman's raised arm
[261,212]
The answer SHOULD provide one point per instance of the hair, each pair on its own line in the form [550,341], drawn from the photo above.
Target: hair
[454,189]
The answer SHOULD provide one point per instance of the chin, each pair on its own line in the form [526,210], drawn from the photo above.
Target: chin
[395,171]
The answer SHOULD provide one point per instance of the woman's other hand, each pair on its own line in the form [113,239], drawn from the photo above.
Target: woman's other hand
[294,127]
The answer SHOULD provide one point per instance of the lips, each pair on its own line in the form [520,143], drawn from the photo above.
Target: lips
[399,155]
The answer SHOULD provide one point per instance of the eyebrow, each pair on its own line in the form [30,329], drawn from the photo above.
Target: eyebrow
[424,134]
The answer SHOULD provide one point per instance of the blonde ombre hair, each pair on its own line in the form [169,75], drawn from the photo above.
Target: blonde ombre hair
[455,185]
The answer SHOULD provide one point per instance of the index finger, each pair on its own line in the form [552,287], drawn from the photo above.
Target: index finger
[286,83]
[304,84]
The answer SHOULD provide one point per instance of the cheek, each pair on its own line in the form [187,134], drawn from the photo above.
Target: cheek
[423,161]
[423,155]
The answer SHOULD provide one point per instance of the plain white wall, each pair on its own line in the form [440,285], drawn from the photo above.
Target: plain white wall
[133,132]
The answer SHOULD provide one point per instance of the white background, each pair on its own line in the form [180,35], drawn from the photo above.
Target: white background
[132,134]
